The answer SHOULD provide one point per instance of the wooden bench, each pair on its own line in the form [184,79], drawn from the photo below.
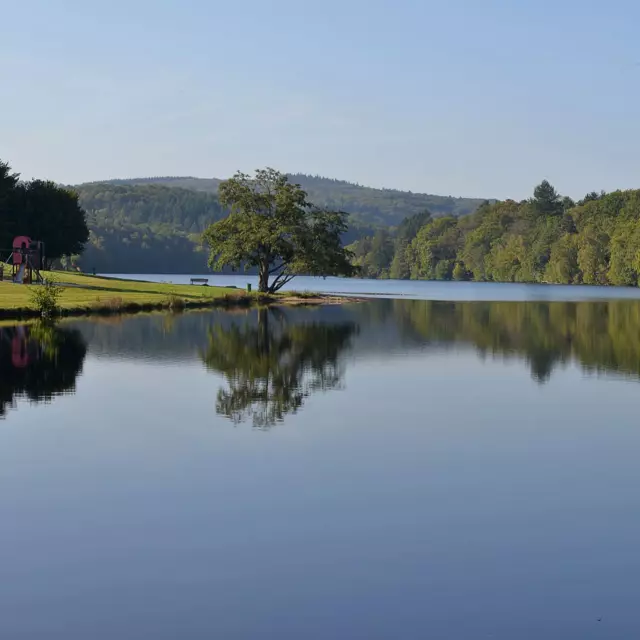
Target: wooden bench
[204,281]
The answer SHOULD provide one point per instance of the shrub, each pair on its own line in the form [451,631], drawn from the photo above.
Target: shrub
[114,304]
[174,302]
[45,298]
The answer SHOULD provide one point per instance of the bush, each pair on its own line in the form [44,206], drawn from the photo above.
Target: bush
[174,302]
[45,297]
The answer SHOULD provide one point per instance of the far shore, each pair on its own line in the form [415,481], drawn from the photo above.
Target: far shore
[100,295]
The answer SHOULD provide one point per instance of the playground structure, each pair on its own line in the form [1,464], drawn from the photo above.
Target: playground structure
[26,260]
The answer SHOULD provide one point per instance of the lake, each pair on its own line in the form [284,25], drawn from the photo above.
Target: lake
[417,289]
[394,468]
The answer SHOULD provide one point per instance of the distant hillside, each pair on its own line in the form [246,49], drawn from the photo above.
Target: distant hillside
[146,228]
[147,203]
[153,224]
[208,185]
[386,207]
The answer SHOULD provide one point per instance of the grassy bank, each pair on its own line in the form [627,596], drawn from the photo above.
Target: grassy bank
[84,294]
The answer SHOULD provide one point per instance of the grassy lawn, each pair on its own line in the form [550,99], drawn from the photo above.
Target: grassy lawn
[87,292]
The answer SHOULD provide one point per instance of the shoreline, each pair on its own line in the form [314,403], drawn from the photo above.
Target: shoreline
[131,308]
[85,295]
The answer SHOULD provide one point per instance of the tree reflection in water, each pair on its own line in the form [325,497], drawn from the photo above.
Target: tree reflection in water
[273,364]
[602,336]
[38,362]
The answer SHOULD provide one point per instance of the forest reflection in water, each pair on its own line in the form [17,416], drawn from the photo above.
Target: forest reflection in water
[600,336]
[38,362]
[273,359]
[421,471]
[274,363]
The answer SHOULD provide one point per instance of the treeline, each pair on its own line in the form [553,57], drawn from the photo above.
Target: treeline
[124,248]
[42,211]
[165,209]
[141,227]
[384,254]
[384,207]
[154,224]
[366,205]
[547,238]
[146,228]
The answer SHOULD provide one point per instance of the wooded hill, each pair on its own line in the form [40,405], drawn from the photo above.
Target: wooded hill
[387,207]
[149,225]
[143,226]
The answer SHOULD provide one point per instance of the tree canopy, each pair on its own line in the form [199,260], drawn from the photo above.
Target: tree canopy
[43,211]
[548,238]
[52,214]
[274,228]
[367,205]
[8,213]
[154,224]
[266,223]
[146,228]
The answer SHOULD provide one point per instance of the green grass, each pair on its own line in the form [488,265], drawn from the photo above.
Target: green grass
[303,295]
[94,293]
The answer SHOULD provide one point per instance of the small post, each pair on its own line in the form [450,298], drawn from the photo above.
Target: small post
[248,287]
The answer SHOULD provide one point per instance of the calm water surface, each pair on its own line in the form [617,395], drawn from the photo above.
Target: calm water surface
[418,289]
[390,469]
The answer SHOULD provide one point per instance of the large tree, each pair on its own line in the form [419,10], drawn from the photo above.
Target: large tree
[274,228]
[8,182]
[546,200]
[43,211]
[52,214]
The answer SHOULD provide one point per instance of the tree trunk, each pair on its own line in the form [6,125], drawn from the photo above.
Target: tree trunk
[263,286]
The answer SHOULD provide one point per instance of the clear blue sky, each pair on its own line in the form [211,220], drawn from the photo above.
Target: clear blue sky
[456,97]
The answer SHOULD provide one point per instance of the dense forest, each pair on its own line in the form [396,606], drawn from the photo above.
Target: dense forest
[143,227]
[368,206]
[154,224]
[146,228]
[547,238]
[386,207]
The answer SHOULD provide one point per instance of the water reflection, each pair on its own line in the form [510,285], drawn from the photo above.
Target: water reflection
[601,336]
[38,361]
[273,359]
[273,364]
